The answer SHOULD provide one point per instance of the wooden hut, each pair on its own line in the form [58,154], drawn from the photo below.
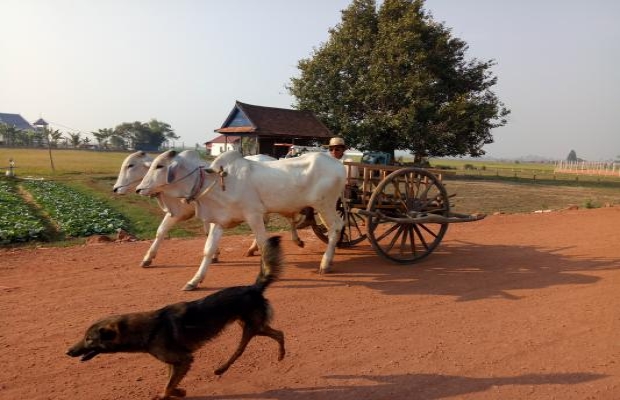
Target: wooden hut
[270,130]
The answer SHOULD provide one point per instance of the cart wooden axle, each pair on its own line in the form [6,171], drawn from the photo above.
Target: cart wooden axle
[421,218]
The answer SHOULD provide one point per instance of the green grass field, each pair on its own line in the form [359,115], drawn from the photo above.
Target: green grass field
[36,162]
[498,187]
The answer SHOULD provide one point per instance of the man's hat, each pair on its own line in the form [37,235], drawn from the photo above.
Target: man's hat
[336,141]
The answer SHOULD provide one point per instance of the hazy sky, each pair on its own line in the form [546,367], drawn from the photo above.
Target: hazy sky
[87,64]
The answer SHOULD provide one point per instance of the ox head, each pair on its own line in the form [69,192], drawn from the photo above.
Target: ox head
[178,174]
[133,169]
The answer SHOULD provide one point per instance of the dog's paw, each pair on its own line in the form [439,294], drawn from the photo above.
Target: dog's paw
[178,392]
[170,394]
[220,370]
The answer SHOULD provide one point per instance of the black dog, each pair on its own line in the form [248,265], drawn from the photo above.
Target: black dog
[171,334]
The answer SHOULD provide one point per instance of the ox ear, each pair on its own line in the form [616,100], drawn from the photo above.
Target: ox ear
[172,170]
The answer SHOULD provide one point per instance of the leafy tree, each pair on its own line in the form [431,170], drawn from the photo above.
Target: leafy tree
[75,139]
[394,79]
[9,133]
[162,128]
[53,136]
[572,156]
[118,142]
[102,136]
[144,136]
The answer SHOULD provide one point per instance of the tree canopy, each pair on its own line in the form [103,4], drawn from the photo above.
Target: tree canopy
[392,78]
[137,135]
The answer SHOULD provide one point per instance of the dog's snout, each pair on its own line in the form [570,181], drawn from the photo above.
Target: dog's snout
[72,352]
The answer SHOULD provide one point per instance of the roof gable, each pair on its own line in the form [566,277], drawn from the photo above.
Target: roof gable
[238,118]
[16,121]
[40,122]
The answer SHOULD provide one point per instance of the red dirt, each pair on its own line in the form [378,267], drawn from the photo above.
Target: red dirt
[511,307]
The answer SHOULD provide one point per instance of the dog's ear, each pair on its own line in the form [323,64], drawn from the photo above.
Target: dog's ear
[107,333]
[172,170]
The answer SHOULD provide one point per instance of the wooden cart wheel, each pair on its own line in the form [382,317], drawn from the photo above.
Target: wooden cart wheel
[407,194]
[353,231]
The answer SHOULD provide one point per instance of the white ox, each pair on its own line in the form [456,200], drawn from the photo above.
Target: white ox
[233,190]
[134,168]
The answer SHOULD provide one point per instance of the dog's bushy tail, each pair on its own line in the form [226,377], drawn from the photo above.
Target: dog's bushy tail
[271,263]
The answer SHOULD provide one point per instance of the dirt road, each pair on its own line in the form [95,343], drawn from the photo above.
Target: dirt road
[511,307]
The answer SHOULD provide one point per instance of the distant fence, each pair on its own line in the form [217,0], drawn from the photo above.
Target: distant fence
[587,168]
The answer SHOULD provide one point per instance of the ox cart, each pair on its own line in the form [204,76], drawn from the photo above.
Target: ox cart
[403,212]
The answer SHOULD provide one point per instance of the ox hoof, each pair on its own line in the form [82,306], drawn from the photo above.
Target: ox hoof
[146,264]
[300,243]
[215,260]
[249,254]
[189,287]
[324,271]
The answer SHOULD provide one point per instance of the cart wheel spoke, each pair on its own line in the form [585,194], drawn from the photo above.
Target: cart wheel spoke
[388,232]
[406,194]
[352,232]
[420,236]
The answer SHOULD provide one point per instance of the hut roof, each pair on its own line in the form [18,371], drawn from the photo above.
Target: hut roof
[271,121]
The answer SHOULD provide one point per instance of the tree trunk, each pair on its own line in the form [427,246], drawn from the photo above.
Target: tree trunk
[49,149]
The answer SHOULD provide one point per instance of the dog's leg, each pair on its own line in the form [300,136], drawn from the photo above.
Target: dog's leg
[248,334]
[177,372]
[276,335]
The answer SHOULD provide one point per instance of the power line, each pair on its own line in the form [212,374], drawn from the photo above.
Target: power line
[68,127]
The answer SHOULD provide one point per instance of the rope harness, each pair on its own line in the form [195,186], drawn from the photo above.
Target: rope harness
[196,194]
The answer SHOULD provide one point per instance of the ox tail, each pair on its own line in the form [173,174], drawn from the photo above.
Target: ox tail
[271,263]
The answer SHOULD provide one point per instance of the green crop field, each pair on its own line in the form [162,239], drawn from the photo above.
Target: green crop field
[479,187]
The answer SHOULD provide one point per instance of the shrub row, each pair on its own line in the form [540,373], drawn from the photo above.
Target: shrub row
[18,223]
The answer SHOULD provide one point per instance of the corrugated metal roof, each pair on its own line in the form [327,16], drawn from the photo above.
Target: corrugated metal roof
[15,120]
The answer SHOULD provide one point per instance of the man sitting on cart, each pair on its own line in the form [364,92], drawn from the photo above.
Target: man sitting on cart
[337,147]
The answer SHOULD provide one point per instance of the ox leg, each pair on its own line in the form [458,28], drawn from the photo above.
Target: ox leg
[253,247]
[334,225]
[294,235]
[216,256]
[162,230]
[215,234]
[257,224]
